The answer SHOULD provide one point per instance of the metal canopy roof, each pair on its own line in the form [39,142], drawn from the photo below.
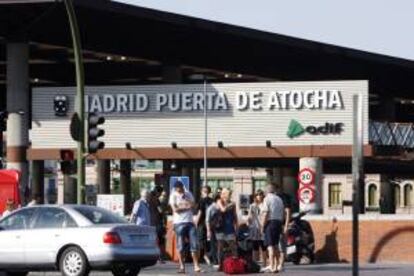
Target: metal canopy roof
[126,44]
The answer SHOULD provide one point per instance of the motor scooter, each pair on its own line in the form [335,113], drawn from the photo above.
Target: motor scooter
[300,240]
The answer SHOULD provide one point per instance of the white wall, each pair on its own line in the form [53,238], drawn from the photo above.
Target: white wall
[233,126]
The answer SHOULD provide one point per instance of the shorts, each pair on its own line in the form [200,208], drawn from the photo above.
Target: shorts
[258,245]
[186,230]
[272,231]
[225,237]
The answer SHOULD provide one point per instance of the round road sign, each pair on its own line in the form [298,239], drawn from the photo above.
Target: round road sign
[306,176]
[306,194]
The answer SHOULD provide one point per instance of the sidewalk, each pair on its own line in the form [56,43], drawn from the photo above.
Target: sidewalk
[291,270]
[308,270]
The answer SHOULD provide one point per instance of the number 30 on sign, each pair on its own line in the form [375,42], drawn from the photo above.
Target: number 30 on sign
[306,176]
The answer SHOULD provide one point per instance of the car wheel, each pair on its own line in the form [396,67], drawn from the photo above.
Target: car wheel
[73,262]
[125,270]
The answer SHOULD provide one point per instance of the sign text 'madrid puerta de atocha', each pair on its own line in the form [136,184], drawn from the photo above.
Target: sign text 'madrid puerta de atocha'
[194,101]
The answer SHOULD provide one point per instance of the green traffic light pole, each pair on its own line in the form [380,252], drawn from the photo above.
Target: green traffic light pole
[79,105]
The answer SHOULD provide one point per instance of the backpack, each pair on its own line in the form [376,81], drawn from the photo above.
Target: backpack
[216,220]
[234,265]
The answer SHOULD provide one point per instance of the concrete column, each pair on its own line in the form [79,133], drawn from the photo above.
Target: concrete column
[126,185]
[70,189]
[103,172]
[290,185]
[38,180]
[311,184]
[18,108]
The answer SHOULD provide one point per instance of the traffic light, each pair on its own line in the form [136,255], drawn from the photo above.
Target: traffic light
[94,132]
[67,165]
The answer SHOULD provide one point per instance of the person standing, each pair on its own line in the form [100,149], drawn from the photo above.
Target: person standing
[200,221]
[211,225]
[141,213]
[287,203]
[226,234]
[255,227]
[182,203]
[272,217]
[10,207]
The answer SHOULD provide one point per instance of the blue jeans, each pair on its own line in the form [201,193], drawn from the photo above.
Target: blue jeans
[186,230]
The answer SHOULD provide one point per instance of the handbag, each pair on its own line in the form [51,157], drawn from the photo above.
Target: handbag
[234,265]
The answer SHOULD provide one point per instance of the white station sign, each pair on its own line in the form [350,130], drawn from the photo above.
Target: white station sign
[239,114]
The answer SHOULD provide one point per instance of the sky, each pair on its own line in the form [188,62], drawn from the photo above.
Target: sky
[379,26]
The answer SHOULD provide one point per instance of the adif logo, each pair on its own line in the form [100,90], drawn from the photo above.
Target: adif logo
[60,105]
[296,129]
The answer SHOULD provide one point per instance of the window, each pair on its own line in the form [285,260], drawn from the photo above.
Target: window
[53,218]
[18,221]
[216,183]
[397,195]
[408,195]
[259,184]
[372,195]
[335,197]
[98,215]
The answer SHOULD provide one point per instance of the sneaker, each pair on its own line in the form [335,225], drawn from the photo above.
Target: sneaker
[266,269]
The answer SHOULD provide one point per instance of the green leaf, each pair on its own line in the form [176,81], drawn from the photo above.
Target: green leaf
[295,129]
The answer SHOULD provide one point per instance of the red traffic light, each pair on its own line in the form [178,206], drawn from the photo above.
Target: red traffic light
[66,155]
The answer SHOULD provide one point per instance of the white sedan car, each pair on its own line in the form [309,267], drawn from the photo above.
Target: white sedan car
[74,239]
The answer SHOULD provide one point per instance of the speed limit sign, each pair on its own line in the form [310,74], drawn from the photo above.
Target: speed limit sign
[306,176]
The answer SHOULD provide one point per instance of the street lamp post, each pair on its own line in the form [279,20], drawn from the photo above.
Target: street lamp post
[199,77]
[79,106]
[205,130]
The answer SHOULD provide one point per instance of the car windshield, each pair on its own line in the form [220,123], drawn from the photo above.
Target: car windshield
[98,215]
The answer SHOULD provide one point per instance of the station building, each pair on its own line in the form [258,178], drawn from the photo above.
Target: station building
[278,109]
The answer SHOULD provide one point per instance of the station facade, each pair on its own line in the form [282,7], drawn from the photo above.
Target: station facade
[286,130]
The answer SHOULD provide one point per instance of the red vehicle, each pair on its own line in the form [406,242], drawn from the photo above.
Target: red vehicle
[9,187]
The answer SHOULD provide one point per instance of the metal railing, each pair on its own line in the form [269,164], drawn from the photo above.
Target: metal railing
[391,134]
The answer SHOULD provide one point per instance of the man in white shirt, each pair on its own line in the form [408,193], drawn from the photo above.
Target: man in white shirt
[272,211]
[182,203]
